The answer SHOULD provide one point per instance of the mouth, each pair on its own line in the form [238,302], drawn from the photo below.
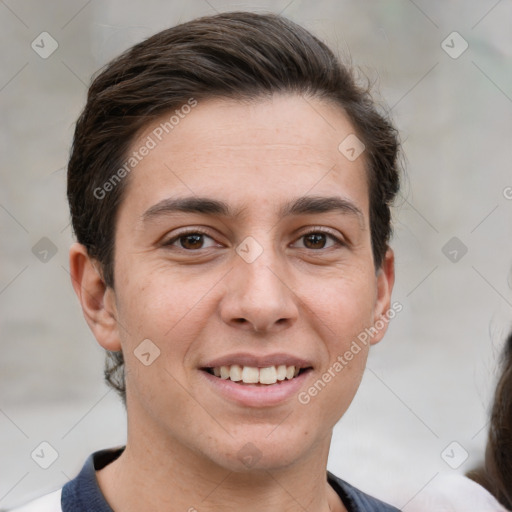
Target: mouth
[265,376]
[256,380]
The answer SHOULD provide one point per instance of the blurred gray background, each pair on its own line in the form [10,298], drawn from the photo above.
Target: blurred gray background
[428,384]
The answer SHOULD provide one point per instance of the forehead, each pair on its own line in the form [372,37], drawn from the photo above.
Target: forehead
[265,150]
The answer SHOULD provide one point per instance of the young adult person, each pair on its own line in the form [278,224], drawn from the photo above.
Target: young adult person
[497,474]
[487,488]
[230,188]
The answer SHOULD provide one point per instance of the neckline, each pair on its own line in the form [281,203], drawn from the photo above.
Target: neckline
[100,459]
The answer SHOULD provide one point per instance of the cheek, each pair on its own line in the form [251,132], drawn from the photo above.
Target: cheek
[342,307]
[149,301]
[166,308]
[342,310]
[327,398]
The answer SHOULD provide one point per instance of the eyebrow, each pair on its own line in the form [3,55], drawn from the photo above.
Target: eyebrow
[305,205]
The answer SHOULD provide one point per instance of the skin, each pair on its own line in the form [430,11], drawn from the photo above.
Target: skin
[310,299]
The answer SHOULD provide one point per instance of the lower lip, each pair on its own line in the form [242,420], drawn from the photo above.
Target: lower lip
[257,395]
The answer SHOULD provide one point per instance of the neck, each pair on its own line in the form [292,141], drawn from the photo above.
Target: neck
[166,476]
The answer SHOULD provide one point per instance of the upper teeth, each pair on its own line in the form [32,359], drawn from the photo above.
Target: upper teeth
[253,375]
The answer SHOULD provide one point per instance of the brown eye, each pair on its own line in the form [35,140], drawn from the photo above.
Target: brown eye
[315,240]
[191,241]
[318,240]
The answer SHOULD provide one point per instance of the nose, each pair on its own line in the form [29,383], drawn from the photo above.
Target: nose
[259,296]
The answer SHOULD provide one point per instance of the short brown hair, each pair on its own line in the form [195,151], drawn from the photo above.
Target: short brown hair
[236,55]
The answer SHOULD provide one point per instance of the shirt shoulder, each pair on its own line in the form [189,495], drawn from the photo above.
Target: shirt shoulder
[83,492]
[454,493]
[47,503]
[356,500]
[80,494]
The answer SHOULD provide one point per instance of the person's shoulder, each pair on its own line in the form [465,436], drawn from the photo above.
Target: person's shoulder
[47,503]
[454,493]
[356,500]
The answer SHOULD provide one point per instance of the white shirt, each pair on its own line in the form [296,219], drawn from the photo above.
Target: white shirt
[454,493]
[47,503]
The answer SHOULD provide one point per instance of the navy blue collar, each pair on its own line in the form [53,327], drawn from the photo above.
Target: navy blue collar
[83,494]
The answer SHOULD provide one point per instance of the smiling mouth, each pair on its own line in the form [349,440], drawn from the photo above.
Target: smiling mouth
[253,375]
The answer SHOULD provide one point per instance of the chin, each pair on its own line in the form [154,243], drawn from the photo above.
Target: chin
[259,451]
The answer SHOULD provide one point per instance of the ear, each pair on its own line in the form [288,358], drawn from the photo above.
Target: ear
[385,281]
[97,300]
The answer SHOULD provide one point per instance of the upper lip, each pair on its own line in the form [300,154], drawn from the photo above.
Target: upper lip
[258,361]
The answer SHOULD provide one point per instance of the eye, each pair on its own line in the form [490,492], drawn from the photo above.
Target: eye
[195,240]
[318,239]
[190,240]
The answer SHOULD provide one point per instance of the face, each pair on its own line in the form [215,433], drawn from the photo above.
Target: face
[242,244]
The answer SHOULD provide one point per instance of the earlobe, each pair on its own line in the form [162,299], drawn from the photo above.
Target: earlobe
[96,299]
[385,281]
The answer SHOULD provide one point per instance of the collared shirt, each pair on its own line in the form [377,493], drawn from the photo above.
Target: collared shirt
[83,494]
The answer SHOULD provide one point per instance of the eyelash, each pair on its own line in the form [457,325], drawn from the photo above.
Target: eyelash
[199,231]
